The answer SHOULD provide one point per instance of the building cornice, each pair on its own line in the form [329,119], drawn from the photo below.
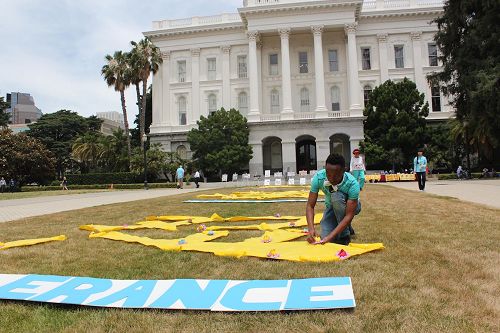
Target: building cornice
[299,6]
[402,12]
[195,29]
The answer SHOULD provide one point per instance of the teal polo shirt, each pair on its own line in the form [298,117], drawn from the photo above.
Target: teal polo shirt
[349,186]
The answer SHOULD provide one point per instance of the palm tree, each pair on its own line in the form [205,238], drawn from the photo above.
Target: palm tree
[113,152]
[117,75]
[86,148]
[144,59]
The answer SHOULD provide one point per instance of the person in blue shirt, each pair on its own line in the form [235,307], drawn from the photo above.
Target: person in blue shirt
[342,203]
[420,169]
[180,177]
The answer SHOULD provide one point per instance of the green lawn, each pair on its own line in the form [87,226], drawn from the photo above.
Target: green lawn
[35,194]
[439,272]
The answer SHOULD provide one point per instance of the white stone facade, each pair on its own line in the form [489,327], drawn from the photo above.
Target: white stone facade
[298,70]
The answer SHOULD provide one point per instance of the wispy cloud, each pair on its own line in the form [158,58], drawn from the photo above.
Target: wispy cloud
[55,49]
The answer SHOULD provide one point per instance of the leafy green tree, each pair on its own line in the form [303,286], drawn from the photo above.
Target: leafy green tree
[4,116]
[25,159]
[468,38]
[145,58]
[395,125]
[441,150]
[117,74]
[58,131]
[220,143]
[156,159]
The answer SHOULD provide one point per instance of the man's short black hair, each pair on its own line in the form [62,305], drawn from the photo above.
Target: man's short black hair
[336,159]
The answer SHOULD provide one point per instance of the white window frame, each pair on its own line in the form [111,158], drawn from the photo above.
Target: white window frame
[333,64]
[275,101]
[436,98]
[332,95]
[305,104]
[182,110]
[181,70]
[364,61]
[212,103]
[274,68]
[211,68]
[433,58]
[399,60]
[242,67]
[303,62]
[243,103]
[366,88]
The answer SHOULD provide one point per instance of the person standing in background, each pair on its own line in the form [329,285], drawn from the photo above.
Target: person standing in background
[197,178]
[358,168]
[3,185]
[420,168]
[180,177]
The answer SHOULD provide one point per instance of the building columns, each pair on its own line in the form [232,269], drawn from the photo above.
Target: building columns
[354,88]
[417,62]
[382,52]
[288,154]
[286,85]
[226,77]
[161,89]
[322,152]
[256,164]
[319,72]
[195,84]
[254,113]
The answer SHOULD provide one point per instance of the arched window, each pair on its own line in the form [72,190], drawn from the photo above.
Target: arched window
[275,101]
[335,96]
[182,152]
[243,103]
[212,103]
[304,100]
[181,103]
[367,90]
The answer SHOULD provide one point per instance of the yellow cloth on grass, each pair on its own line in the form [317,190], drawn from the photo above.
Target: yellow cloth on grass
[28,242]
[276,244]
[163,244]
[257,195]
[139,225]
[300,222]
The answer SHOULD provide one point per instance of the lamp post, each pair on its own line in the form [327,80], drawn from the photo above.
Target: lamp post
[144,146]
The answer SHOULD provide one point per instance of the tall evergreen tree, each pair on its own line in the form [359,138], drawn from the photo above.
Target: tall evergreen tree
[468,40]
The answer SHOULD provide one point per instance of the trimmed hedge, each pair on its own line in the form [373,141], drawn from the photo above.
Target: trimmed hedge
[98,187]
[104,178]
[448,176]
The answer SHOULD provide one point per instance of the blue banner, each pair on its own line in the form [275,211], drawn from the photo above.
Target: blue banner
[186,294]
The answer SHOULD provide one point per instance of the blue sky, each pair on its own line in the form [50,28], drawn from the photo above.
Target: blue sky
[54,49]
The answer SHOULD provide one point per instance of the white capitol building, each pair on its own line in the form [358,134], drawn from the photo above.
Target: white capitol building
[300,71]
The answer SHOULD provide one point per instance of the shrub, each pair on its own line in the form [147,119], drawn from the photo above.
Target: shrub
[98,187]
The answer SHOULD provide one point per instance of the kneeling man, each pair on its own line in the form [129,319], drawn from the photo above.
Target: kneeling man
[341,191]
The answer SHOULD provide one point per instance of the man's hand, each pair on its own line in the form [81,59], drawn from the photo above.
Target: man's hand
[311,238]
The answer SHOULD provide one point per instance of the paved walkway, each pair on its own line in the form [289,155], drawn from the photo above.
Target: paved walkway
[486,192]
[15,209]
[28,207]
